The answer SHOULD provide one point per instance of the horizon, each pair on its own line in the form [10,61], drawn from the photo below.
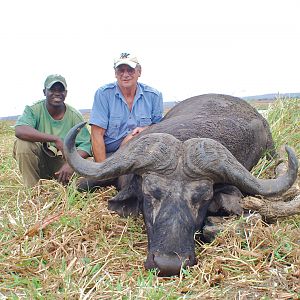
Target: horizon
[270,97]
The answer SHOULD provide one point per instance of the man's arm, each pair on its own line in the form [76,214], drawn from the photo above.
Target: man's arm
[98,146]
[30,134]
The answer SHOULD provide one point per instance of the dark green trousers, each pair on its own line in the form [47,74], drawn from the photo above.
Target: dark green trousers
[34,162]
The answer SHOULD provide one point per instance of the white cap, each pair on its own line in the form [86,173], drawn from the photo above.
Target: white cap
[126,59]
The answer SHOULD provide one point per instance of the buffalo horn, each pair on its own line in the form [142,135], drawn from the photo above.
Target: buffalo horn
[208,158]
[157,151]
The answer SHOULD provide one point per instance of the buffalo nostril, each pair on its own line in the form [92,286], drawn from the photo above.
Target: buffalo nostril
[169,264]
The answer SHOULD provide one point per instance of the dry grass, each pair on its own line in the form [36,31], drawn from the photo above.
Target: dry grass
[56,243]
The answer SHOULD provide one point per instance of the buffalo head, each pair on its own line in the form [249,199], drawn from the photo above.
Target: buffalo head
[177,180]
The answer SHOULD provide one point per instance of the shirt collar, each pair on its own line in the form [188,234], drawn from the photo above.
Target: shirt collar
[139,91]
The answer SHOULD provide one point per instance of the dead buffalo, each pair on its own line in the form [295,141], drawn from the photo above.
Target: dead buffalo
[200,154]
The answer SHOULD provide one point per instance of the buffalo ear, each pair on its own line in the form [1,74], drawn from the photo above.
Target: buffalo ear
[226,201]
[226,204]
[126,207]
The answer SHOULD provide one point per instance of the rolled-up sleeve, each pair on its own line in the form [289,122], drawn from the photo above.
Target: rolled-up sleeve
[27,118]
[100,112]
[83,141]
[157,111]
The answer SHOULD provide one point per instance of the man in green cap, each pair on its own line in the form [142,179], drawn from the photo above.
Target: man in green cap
[40,132]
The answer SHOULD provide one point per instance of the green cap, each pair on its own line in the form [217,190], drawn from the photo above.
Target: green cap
[51,79]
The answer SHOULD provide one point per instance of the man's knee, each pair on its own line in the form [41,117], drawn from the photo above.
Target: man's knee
[28,157]
[25,147]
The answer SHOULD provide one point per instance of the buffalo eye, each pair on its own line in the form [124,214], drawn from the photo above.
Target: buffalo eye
[156,193]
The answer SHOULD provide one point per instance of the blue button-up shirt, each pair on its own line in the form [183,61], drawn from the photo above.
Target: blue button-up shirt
[110,111]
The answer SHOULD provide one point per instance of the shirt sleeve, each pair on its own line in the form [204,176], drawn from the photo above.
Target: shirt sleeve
[100,111]
[157,111]
[27,118]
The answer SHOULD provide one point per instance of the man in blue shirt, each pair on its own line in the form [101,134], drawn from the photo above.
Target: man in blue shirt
[120,111]
[123,109]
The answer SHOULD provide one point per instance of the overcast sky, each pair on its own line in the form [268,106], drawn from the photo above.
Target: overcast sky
[185,48]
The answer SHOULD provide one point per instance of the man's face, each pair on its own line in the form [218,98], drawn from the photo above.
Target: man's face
[127,77]
[56,94]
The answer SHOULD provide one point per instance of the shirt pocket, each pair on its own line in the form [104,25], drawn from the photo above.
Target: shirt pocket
[144,121]
[114,127]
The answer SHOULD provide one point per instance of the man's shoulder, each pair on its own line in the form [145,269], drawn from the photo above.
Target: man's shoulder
[148,89]
[32,113]
[108,87]
[36,107]
[37,104]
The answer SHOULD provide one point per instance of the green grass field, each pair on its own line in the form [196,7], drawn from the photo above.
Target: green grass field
[56,243]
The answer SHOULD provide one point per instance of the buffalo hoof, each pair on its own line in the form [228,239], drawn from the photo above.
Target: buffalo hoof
[91,185]
[213,226]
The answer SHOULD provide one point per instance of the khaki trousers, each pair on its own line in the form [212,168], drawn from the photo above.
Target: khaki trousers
[34,162]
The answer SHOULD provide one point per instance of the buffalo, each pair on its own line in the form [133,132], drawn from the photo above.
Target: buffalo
[195,161]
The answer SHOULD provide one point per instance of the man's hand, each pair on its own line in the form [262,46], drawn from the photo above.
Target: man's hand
[59,144]
[64,174]
[138,130]
[134,132]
